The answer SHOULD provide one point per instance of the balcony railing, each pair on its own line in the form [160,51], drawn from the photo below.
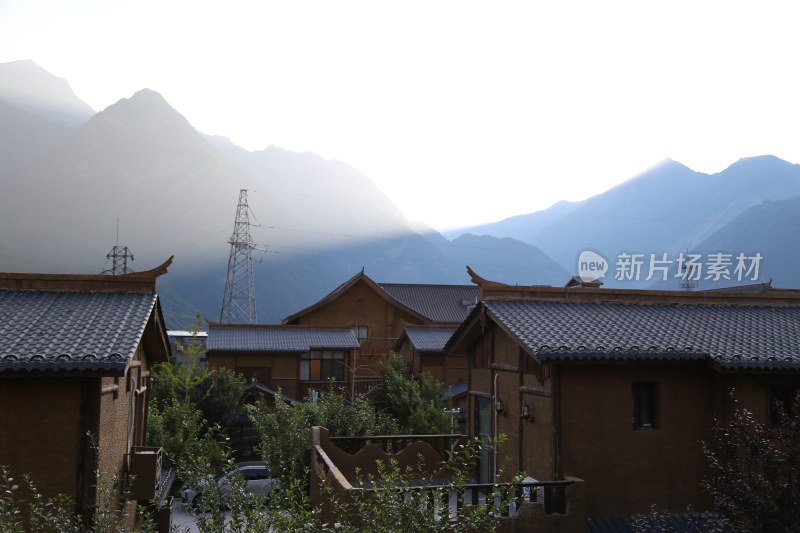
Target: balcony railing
[365,386]
[361,386]
[504,499]
[322,386]
[395,443]
[528,506]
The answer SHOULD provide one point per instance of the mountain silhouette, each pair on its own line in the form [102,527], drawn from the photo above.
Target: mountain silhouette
[667,209]
[316,222]
[174,192]
[31,88]
[770,229]
[520,227]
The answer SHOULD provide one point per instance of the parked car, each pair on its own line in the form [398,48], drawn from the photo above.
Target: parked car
[255,473]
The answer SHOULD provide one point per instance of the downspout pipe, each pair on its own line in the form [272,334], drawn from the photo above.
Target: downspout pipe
[496,429]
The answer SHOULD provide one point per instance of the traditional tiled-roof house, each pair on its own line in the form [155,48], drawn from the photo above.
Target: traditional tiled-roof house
[379,313]
[423,348]
[617,387]
[292,358]
[75,359]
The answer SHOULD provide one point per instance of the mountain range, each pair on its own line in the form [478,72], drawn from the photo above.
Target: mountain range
[670,209]
[141,167]
[139,174]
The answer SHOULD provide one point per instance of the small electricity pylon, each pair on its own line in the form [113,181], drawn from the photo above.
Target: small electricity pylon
[119,256]
[239,301]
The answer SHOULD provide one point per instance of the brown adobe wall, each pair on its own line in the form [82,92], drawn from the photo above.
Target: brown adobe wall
[535,439]
[445,368]
[752,392]
[42,431]
[123,424]
[626,470]
[112,442]
[529,443]
[455,369]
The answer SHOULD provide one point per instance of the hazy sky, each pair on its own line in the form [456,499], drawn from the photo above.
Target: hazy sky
[461,112]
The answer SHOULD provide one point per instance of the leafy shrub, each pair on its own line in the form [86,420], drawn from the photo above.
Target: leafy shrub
[36,514]
[394,503]
[754,470]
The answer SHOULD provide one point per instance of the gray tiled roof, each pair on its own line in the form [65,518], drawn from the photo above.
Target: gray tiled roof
[58,331]
[734,337]
[257,339]
[428,339]
[442,304]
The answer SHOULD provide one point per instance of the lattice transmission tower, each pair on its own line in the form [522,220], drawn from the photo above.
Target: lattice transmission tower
[239,301]
[119,256]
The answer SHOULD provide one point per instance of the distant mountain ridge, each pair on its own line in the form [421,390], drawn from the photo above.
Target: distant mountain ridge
[33,89]
[174,191]
[318,222]
[668,209]
[520,227]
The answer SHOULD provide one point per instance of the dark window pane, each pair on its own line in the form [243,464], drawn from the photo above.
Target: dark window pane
[644,405]
[781,402]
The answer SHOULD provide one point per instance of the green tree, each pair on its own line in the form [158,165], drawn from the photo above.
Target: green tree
[417,402]
[216,392]
[219,396]
[192,406]
[181,431]
[178,381]
[754,470]
[285,430]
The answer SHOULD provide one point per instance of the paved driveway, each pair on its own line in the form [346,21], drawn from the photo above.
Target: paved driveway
[181,519]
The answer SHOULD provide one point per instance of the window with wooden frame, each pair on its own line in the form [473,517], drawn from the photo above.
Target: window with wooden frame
[361,332]
[322,365]
[781,403]
[645,405]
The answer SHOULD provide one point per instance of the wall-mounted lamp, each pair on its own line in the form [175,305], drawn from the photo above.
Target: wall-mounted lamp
[498,406]
[526,412]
